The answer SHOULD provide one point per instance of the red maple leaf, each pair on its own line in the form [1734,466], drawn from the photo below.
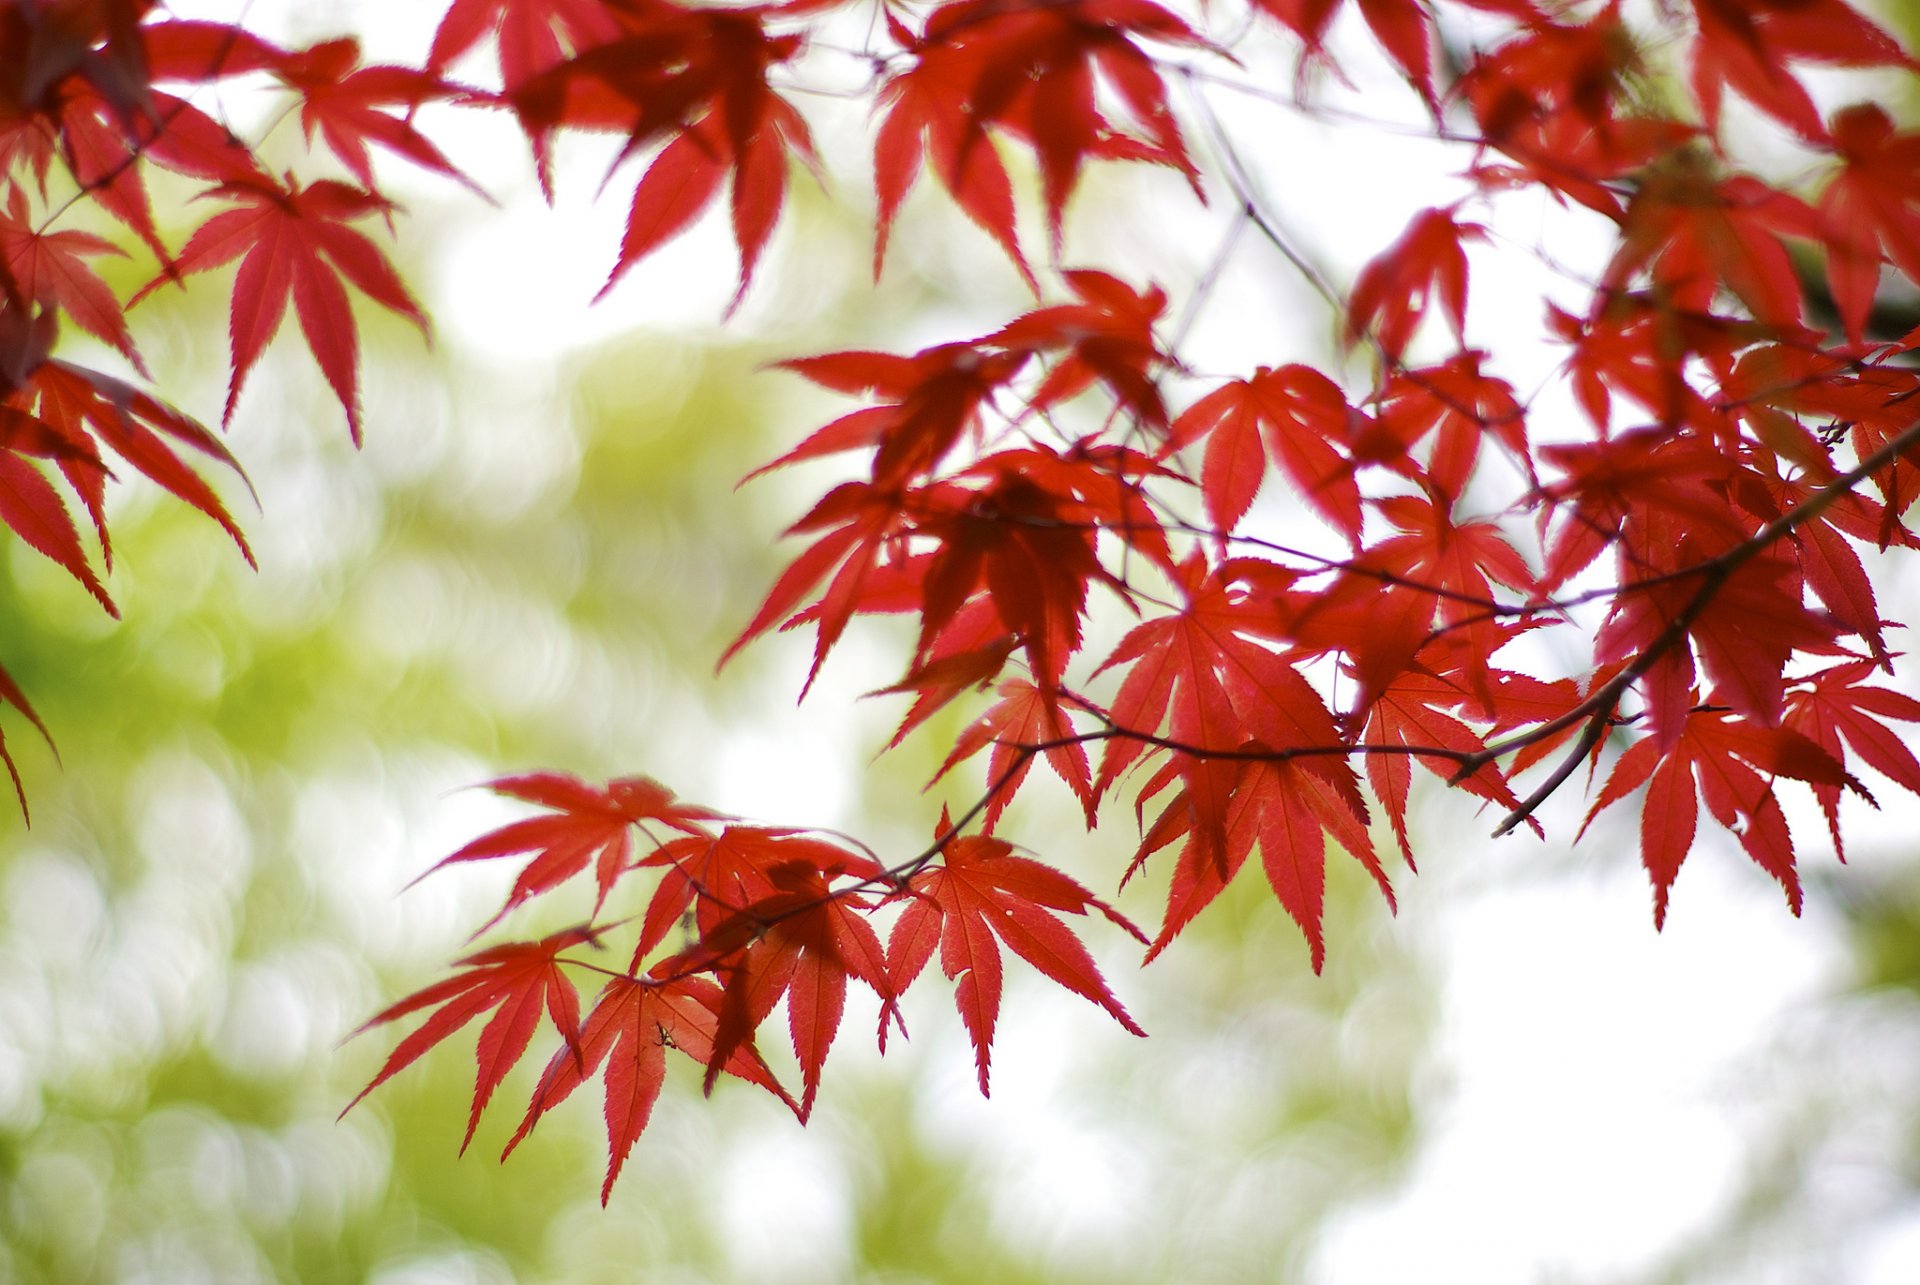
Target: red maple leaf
[34,511]
[1023,717]
[1286,807]
[1457,404]
[857,525]
[1391,294]
[295,243]
[1870,210]
[1022,534]
[983,67]
[1461,559]
[772,926]
[341,101]
[1694,232]
[634,1022]
[587,826]
[47,267]
[1296,417]
[981,892]
[933,399]
[516,982]
[1107,336]
[698,78]
[1736,766]
[65,413]
[1838,712]
[1747,44]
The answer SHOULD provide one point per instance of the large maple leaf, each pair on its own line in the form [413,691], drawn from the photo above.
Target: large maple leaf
[982,891]
[696,78]
[983,67]
[633,1023]
[341,101]
[1748,44]
[587,826]
[516,982]
[295,243]
[1840,713]
[773,926]
[1736,766]
[1296,417]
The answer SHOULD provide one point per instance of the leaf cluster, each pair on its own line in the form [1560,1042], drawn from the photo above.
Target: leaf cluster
[1695,531]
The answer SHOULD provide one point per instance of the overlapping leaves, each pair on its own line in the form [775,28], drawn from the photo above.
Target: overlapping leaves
[1699,540]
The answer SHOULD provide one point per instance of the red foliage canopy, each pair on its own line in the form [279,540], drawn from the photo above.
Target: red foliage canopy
[1699,532]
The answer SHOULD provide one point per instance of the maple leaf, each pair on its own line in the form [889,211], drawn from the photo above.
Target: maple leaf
[1629,346]
[1403,716]
[634,1021]
[1294,415]
[858,524]
[341,100]
[294,242]
[1027,71]
[1694,231]
[1747,44]
[1726,758]
[1868,211]
[1287,808]
[63,410]
[981,892]
[104,149]
[772,926]
[1838,712]
[935,398]
[970,653]
[1023,717]
[1208,676]
[1203,672]
[1612,488]
[1550,99]
[1028,544]
[1107,336]
[1745,624]
[698,76]
[1460,558]
[48,268]
[587,826]
[1458,404]
[1390,295]
[517,982]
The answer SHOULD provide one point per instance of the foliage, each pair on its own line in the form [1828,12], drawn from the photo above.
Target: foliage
[1693,525]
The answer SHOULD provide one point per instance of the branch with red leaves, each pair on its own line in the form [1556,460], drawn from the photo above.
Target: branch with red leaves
[1324,580]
